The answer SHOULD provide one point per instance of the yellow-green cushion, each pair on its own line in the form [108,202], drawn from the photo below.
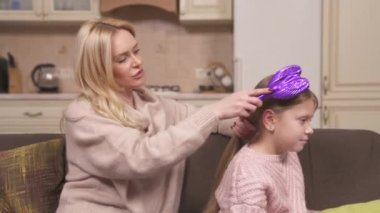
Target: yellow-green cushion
[369,207]
[31,177]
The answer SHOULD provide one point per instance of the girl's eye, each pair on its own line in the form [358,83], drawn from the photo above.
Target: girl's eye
[303,120]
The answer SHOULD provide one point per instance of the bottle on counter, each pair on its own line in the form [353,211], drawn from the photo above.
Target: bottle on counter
[14,76]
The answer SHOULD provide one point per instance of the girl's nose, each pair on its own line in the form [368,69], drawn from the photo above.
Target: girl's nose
[309,130]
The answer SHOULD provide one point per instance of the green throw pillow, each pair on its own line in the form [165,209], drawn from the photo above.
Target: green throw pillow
[31,177]
[369,207]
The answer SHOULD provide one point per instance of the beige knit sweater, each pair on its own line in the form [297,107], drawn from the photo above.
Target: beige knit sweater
[261,183]
[112,168]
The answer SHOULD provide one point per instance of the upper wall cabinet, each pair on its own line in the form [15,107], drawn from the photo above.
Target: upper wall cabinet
[205,11]
[48,10]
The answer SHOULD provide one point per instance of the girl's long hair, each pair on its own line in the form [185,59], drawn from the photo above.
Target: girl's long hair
[93,68]
[235,143]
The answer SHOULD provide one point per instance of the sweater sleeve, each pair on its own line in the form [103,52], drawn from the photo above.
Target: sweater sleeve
[184,110]
[104,148]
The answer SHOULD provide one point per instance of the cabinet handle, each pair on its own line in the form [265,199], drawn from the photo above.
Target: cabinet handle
[33,115]
[325,85]
[325,115]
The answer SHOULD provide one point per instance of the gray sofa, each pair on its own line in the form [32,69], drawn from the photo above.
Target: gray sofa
[340,167]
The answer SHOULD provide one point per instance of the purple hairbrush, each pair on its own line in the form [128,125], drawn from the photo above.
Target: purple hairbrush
[286,83]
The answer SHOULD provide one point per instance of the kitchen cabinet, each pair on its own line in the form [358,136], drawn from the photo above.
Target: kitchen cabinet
[351,83]
[48,10]
[42,113]
[351,114]
[205,11]
[31,115]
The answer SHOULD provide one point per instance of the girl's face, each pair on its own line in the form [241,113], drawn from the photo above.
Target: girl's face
[126,60]
[293,126]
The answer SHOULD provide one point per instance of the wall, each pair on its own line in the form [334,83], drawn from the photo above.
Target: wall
[270,34]
[171,52]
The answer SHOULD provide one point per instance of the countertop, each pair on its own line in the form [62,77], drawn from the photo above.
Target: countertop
[70,96]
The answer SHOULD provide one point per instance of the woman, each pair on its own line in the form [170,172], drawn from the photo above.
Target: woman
[125,146]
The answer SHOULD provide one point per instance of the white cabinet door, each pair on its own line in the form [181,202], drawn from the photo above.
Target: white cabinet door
[71,10]
[206,11]
[354,114]
[351,49]
[351,52]
[22,10]
[43,10]
[31,116]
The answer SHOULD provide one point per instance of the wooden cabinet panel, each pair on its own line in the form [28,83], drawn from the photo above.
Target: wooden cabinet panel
[351,49]
[352,114]
[31,116]
[45,10]
[205,11]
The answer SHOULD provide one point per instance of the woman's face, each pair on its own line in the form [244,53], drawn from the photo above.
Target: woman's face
[126,60]
[293,126]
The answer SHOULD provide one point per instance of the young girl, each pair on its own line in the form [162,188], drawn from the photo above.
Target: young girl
[266,175]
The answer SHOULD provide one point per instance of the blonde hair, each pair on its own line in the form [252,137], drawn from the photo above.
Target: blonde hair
[235,143]
[93,68]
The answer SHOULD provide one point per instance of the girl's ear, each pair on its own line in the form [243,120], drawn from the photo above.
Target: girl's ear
[269,118]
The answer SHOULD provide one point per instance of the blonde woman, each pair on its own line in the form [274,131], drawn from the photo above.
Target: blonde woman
[126,146]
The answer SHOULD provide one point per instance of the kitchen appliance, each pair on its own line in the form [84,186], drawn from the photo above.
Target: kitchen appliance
[45,78]
[3,75]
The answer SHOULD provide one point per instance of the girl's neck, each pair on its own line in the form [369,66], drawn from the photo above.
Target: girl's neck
[266,145]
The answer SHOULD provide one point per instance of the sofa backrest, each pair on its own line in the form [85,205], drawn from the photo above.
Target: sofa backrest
[200,174]
[10,141]
[341,167]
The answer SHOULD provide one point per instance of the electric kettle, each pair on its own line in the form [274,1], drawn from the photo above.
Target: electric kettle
[45,78]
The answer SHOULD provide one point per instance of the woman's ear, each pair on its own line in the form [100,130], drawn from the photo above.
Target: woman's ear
[269,117]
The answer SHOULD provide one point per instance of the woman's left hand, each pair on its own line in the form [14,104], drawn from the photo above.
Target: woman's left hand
[243,128]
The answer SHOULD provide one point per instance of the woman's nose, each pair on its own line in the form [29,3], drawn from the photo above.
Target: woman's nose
[137,60]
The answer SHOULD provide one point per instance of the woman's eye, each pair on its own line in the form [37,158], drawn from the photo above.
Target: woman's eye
[136,51]
[121,60]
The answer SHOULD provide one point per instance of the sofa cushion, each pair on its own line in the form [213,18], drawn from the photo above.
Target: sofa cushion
[368,207]
[31,177]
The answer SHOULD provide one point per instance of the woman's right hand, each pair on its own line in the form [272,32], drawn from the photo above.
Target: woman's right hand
[239,104]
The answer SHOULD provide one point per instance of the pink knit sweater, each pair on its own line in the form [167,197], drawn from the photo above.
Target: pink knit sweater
[118,169]
[256,182]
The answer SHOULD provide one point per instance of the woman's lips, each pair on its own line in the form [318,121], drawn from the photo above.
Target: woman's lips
[139,74]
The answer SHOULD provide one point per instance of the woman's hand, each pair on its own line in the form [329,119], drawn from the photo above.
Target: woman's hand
[239,104]
[243,128]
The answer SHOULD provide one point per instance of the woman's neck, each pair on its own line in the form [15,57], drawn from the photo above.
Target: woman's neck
[127,96]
